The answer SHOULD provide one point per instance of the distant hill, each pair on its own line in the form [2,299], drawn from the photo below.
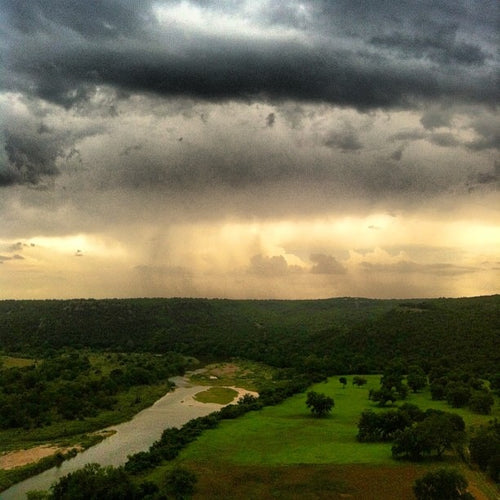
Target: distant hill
[336,335]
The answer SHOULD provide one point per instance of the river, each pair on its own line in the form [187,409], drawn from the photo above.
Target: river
[172,410]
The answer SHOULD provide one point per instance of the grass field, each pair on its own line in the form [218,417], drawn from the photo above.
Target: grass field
[219,395]
[288,434]
[263,453]
[15,362]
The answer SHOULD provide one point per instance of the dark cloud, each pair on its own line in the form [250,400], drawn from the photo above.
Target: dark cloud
[270,119]
[444,139]
[435,118]
[107,19]
[441,46]
[322,52]
[488,134]
[409,135]
[326,264]
[32,150]
[397,154]
[147,86]
[485,178]
[29,157]
[345,140]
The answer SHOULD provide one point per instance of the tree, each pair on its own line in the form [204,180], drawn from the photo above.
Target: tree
[180,483]
[383,396]
[481,402]
[359,381]
[483,445]
[484,448]
[442,484]
[443,431]
[382,426]
[95,482]
[369,426]
[416,378]
[411,444]
[438,432]
[495,383]
[391,384]
[343,381]
[438,391]
[412,412]
[319,404]
[457,394]
[493,468]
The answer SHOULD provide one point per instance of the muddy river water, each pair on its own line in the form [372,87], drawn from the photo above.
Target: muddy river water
[172,410]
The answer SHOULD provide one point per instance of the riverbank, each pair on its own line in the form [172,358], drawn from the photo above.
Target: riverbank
[28,449]
[172,410]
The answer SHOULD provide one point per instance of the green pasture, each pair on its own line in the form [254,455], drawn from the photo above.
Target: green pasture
[287,434]
[219,395]
[15,362]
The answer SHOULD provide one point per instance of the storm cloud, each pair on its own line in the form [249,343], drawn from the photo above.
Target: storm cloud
[309,51]
[248,149]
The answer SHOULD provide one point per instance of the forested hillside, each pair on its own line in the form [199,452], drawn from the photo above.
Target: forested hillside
[332,336]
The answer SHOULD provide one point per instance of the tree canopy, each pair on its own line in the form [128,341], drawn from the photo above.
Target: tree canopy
[319,404]
[442,484]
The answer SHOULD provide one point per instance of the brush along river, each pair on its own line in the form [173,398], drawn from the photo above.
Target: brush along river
[172,410]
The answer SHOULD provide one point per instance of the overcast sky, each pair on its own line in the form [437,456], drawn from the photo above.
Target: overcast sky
[249,149]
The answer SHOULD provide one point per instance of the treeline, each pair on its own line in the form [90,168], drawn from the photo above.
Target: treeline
[454,384]
[329,336]
[65,386]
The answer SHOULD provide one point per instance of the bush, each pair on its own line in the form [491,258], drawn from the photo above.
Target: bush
[457,394]
[319,404]
[95,482]
[442,484]
[438,432]
[481,402]
[180,483]
[484,446]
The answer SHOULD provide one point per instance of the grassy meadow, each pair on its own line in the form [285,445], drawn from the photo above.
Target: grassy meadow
[218,395]
[15,362]
[284,452]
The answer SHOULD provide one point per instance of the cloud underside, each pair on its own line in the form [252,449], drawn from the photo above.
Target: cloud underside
[311,52]
[96,60]
[182,147]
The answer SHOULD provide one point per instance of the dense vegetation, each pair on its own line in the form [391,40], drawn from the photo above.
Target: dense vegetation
[85,355]
[332,336]
[65,386]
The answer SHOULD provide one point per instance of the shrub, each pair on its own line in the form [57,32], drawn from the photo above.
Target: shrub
[442,484]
